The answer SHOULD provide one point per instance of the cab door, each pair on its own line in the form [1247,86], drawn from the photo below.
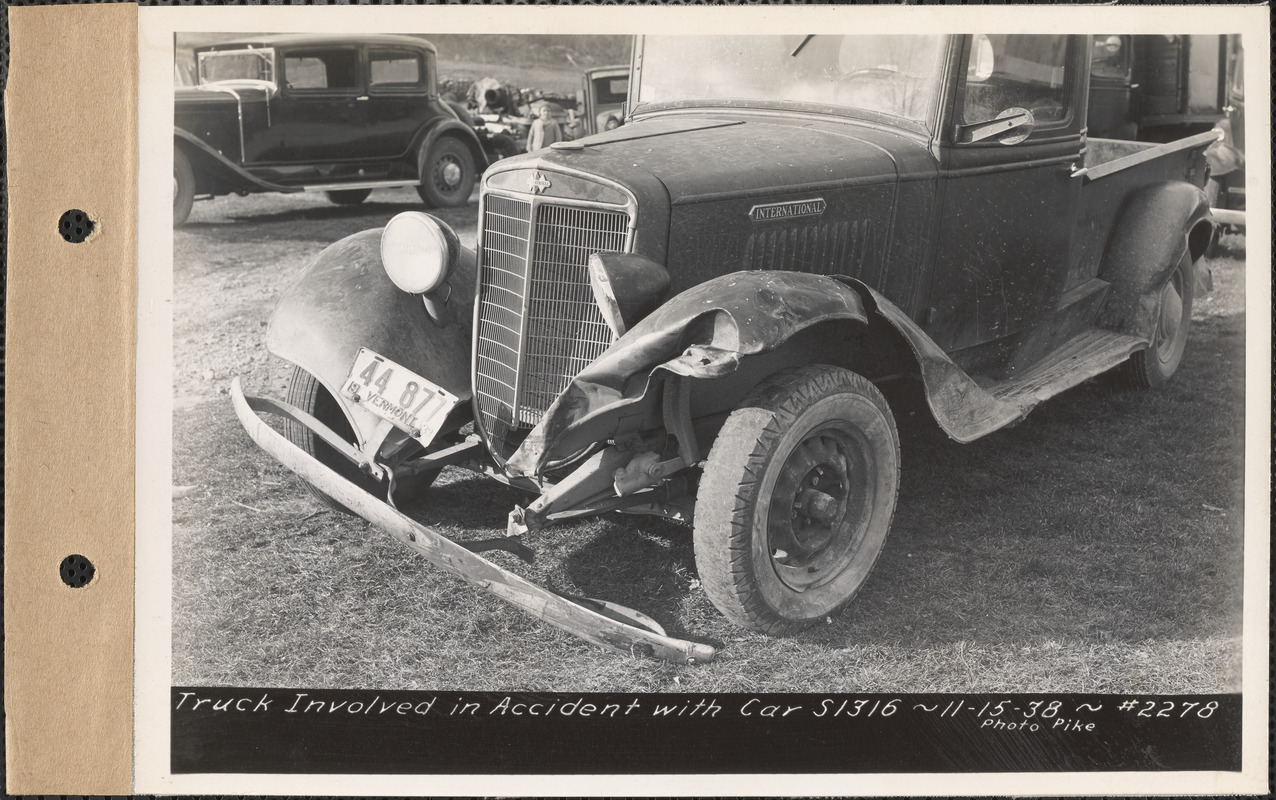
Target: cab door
[1008,201]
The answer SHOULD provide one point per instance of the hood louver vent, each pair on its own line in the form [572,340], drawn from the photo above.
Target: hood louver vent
[827,248]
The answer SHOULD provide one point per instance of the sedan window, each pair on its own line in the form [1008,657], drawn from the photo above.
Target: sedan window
[330,69]
[391,70]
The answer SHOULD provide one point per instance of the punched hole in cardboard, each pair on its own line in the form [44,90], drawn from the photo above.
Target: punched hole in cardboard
[76,226]
[76,571]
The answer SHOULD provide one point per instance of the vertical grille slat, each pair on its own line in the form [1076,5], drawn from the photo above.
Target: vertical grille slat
[539,324]
[503,274]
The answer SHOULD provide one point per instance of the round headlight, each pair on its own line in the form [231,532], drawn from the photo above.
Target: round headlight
[417,251]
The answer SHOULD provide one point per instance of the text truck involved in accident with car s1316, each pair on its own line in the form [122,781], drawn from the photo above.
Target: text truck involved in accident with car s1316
[691,315]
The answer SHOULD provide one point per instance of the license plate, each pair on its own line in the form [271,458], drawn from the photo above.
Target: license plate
[397,394]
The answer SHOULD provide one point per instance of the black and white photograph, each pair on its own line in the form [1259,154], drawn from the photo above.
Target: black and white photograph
[697,397]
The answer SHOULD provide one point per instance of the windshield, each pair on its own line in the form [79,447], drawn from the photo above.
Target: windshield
[896,75]
[237,65]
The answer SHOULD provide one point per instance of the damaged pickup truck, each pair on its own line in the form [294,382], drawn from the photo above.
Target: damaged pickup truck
[691,315]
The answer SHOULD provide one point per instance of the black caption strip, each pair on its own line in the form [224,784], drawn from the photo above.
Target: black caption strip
[331,731]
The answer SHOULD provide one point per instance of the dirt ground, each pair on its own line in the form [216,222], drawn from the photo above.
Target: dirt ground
[1094,547]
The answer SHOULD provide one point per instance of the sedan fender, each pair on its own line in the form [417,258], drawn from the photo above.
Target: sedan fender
[703,332]
[211,167]
[344,301]
[453,127]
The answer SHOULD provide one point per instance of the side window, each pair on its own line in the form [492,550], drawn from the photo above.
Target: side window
[395,70]
[612,90]
[1238,76]
[1016,71]
[1111,58]
[326,69]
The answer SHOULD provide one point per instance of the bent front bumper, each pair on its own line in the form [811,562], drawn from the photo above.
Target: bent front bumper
[565,613]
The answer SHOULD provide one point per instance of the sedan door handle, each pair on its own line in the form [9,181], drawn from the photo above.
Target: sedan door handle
[363,97]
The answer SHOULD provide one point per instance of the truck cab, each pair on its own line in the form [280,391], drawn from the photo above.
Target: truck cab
[603,94]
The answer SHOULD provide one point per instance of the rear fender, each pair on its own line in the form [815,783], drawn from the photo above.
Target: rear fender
[452,127]
[344,301]
[704,332]
[1158,224]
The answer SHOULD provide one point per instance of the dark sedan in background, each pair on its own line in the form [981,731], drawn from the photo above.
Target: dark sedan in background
[339,114]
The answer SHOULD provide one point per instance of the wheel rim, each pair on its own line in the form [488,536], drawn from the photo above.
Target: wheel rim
[1169,326]
[820,506]
[448,173]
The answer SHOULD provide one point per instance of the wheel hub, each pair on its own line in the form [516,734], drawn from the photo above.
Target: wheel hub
[449,174]
[818,489]
[1171,319]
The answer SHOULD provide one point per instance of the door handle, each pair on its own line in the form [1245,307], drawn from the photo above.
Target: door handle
[362,97]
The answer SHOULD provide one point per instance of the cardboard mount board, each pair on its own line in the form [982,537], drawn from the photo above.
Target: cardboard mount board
[80,692]
[71,134]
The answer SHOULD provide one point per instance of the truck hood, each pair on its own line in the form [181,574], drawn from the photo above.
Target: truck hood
[700,158]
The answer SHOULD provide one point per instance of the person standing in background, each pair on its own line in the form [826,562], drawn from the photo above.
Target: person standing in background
[544,131]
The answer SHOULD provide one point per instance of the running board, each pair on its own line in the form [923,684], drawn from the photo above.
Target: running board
[1088,354]
[341,187]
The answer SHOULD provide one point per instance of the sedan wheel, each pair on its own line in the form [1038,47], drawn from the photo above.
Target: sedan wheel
[447,174]
[183,187]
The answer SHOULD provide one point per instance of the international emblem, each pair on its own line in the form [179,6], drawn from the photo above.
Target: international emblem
[538,183]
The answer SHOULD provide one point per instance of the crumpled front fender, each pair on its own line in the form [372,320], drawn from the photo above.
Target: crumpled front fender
[344,301]
[703,332]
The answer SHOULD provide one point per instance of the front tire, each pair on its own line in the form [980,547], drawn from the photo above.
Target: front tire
[797,498]
[447,174]
[308,394]
[348,197]
[183,187]
[1152,368]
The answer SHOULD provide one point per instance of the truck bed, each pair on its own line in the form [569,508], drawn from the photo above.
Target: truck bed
[1110,170]
[1104,157]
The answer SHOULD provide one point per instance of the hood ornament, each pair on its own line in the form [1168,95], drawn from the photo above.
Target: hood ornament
[538,183]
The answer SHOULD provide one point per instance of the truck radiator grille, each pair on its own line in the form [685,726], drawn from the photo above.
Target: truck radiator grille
[538,324]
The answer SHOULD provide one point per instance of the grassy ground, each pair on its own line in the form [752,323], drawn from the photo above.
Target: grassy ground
[1094,547]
